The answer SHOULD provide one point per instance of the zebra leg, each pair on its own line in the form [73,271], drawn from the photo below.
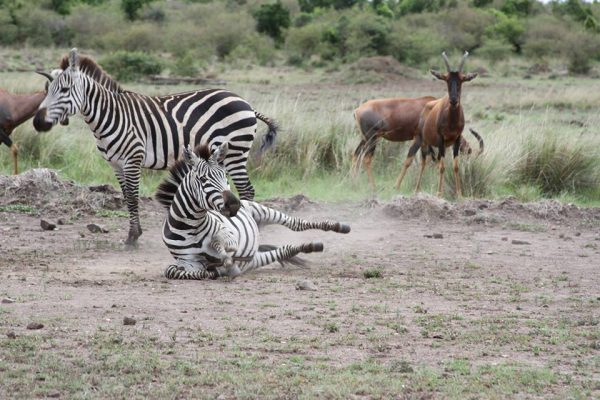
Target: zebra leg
[236,168]
[280,254]
[265,216]
[190,270]
[129,179]
[224,244]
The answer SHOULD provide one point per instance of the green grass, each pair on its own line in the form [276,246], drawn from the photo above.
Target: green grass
[115,365]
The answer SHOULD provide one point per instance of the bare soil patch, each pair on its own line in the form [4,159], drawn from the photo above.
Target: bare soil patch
[423,299]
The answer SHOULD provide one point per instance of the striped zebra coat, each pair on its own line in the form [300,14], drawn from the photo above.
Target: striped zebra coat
[134,131]
[212,234]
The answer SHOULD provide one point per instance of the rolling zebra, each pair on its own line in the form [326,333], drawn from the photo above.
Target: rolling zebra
[210,233]
[134,131]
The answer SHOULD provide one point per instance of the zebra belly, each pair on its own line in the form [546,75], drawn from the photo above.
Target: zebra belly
[244,228]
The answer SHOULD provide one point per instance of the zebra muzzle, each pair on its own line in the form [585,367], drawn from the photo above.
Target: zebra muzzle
[39,121]
[231,204]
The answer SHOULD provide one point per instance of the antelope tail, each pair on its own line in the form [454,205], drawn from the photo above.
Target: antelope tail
[479,139]
[269,138]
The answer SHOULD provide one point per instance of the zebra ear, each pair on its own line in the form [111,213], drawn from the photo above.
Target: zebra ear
[218,156]
[189,156]
[73,59]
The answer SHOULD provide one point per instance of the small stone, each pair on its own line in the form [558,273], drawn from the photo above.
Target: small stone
[95,228]
[517,241]
[129,321]
[470,212]
[61,221]
[35,326]
[8,300]
[577,233]
[47,226]
[54,395]
[504,239]
[428,236]
[11,335]
[438,236]
[305,285]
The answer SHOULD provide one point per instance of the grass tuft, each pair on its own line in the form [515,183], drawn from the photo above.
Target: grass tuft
[556,167]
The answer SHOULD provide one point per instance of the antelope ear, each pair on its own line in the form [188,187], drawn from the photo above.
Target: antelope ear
[438,75]
[73,59]
[469,77]
[189,156]
[218,156]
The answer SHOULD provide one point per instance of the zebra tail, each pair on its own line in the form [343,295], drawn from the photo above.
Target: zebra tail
[479,139]
[269,138]
[295,261]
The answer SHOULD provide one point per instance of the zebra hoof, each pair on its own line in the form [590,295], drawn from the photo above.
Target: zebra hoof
[316,247]
[233,272]
[344,228]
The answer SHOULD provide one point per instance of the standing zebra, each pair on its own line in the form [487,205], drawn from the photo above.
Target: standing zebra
[134,131]
[210,233]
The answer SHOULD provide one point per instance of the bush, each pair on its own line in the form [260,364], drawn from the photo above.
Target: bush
[556,166]
[508,28]
[495,50]
[185,65]
[416,45]
[545,37]
[128,66]
[464,28]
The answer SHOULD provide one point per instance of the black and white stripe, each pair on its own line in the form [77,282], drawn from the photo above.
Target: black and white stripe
[134,131]
[207,244]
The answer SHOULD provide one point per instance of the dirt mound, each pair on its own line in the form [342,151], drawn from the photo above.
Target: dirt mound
[491,211]
[377,70]
[288,204]
[44,191]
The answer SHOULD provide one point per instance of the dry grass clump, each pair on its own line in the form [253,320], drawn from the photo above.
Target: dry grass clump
[557,166]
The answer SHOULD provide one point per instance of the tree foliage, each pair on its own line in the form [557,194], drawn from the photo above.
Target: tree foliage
[272,19]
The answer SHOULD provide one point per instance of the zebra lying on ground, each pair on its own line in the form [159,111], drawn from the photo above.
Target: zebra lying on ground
[134,131]
[210,233]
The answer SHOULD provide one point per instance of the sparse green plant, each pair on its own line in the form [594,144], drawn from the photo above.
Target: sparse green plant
[372,273]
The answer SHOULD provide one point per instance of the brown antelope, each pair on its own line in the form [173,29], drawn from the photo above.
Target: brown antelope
[15,109]
[440,125]
[396,120]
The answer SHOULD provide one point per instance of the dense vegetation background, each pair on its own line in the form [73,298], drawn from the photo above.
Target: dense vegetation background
[184,36]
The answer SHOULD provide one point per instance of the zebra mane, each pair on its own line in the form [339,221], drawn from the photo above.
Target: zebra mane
[94,71]
[167,189]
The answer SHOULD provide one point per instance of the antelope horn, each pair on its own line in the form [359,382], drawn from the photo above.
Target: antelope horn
[445,57]
[462,62]
[47,75]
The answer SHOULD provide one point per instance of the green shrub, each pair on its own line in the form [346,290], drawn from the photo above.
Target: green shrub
[508,28]
[556,166]
[185,65]
[464,28]
[495,50]
[415,46]
[545,37]
[128,66]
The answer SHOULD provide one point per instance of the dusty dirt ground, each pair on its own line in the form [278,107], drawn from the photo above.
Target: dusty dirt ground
[506,284]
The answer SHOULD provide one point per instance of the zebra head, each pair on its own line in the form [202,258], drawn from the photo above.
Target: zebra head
[64,97]
[208,182]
